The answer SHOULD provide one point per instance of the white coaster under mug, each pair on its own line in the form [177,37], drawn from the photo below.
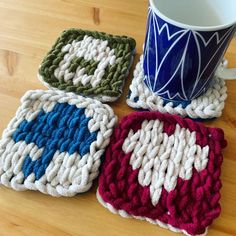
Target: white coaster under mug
[207,106]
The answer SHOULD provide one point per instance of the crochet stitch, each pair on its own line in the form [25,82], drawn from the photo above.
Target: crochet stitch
[88,63]
[54,143]
[207,106]
[164,169]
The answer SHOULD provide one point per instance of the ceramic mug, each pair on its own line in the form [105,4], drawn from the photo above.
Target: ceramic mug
[185,43]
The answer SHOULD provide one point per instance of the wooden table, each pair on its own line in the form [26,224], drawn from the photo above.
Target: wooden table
[28,29]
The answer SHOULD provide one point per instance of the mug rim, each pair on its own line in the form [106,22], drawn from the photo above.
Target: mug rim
[187,26]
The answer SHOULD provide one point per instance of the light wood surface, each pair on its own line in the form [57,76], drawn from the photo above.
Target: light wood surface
[28,29]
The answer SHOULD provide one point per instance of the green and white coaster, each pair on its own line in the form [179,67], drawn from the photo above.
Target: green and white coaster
[88,63]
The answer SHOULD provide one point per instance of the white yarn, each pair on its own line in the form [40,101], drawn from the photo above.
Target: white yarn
[161,159]
[66,174]
[124,214]
[89,49]
[209,105]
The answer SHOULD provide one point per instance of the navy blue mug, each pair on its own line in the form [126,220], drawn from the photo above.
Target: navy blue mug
[185,43]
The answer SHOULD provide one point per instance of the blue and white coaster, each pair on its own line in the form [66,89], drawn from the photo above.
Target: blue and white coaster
[207,106]
[54,143]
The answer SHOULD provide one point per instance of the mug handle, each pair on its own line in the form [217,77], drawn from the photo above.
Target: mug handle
[224,72]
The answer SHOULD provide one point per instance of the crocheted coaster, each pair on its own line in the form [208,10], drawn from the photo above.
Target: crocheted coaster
[207,106]
[163,169]
[54,143]
[88,63]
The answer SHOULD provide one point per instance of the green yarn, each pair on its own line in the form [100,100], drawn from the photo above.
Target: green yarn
[89,65]
[112,81]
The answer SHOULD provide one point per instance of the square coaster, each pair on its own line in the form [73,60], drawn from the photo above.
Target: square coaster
[209,105]
[88,63]
[164,169]
[54,143]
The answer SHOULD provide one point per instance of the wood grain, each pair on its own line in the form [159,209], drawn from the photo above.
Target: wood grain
[28,29]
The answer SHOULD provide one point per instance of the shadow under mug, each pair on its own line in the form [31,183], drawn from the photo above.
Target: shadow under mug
[185,43]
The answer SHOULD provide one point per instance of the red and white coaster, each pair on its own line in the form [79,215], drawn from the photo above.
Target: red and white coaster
[164,169]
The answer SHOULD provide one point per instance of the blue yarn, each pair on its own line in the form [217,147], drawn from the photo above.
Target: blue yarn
[183,104]
[64,129]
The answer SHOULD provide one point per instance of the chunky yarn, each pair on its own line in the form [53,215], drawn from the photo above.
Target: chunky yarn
[164,169]
[88,63]
[54,143]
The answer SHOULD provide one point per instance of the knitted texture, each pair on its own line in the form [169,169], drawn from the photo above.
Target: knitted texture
[164,169]
[54,143]
[207,106]
[88,63]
